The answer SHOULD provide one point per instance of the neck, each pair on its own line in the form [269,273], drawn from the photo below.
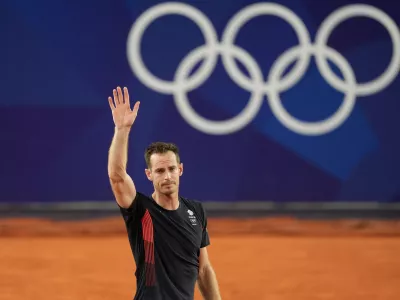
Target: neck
[170,202]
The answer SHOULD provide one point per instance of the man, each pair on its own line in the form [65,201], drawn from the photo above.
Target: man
[167,233]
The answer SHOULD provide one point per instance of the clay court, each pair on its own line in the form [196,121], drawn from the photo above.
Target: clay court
[278,259]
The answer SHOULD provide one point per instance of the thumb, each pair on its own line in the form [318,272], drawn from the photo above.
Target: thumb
[136,107]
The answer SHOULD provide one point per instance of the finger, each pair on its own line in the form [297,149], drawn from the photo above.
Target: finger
[110,101]
[116,101]
[136,107]
[120,97]
[126,96]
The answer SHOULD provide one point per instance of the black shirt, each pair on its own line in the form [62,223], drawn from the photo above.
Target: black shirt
[166,246]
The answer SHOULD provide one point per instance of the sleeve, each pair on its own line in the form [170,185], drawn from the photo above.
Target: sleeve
[205,240]
[135,211]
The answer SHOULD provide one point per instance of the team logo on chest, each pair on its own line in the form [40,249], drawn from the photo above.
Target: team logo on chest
[192,217]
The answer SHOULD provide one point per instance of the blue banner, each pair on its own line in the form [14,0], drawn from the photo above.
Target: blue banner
[281,101]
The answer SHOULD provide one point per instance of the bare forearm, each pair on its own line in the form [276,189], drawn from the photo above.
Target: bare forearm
[121,183]
[208,284]
[118,154]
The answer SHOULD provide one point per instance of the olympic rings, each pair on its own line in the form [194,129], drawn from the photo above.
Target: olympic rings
[184,83]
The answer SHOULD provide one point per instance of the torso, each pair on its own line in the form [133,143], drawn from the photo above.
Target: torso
[166,246]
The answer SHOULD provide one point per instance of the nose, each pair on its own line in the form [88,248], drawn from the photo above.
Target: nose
[168,175]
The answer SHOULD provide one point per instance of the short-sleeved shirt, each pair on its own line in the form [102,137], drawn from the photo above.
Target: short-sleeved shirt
[166,247]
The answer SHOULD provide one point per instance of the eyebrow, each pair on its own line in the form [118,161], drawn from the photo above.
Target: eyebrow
[159,169]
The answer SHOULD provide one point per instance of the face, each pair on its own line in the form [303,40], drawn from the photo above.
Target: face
[165,172]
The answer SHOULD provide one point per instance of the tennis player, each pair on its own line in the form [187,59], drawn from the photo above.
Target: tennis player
[167,232]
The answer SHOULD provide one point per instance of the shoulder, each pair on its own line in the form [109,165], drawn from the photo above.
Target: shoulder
[143,200]
[138,203]
[142,196]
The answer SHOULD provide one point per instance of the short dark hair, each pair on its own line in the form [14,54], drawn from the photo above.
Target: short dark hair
[160,147]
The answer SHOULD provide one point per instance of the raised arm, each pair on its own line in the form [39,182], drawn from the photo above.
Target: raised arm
[121,183]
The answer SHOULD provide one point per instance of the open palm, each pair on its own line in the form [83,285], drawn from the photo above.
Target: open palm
[122,113]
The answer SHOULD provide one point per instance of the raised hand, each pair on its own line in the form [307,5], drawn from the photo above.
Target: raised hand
[123,115]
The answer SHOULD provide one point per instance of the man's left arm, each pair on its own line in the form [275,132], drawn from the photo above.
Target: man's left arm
[207,280]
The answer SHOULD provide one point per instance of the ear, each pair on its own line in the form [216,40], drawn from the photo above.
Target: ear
[148,174]
[180,169]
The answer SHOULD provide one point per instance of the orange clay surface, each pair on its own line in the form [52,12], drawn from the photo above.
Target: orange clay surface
[248,266]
